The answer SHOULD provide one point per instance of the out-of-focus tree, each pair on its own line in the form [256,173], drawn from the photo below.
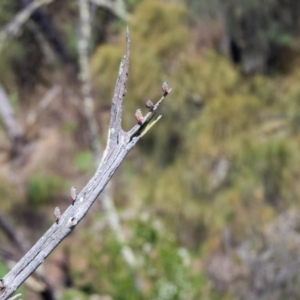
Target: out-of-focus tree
[264,34]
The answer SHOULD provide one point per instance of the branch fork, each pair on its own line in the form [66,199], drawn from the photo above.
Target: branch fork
[119,143]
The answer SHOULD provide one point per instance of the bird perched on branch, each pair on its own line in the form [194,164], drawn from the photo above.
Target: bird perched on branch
[139,116]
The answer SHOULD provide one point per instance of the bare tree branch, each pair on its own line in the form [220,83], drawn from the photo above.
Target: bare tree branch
[12,28]
[118,145]
[38,282]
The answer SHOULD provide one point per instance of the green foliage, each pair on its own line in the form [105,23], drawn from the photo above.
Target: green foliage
[210,115]
[71,39]
[7,10]
[220,111]
[269,161]
[3,269]
[8,193]
[105,65]
[222,159]
[266,40]
[84,161]
[10,52]
[131,4]
[225,155]
[143,233]
[70,294]
[14,99]
[42,188]
[69,127]
[163,267]
[204,8]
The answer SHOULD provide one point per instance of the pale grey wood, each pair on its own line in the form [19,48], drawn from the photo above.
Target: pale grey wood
[8,117]
[38,279]
[119,143]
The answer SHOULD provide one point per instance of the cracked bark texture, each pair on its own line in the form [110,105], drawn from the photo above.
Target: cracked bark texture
[119,143]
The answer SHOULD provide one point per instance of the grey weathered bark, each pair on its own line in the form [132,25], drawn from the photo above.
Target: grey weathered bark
[119,143]
[39,282]
[12,127]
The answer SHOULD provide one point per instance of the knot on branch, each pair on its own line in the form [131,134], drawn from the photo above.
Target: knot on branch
[72,222]
[2,284]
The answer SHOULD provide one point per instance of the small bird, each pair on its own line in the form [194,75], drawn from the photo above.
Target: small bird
[139,116]
[165,88]
[57,214]
[149,105]
[73,193]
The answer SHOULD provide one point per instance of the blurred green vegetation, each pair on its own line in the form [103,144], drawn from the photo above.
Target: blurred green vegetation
[3,269]
[84,161]
[163,270]
[7,11]
[225,153]
[43,188]
[223,158]
[12,52]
